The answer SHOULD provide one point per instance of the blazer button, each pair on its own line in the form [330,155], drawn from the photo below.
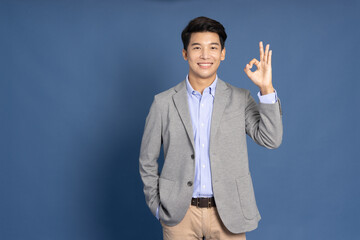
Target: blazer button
[192,156]
[189,183]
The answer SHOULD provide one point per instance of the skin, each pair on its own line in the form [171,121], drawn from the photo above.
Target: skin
[262,77]
[204,55]
[203,48]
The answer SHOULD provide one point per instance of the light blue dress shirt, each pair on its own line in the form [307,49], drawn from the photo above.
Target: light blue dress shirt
[201,106]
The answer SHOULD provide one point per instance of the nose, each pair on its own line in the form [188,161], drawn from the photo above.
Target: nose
[204,53]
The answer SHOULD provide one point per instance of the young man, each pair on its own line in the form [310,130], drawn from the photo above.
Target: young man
[205,187]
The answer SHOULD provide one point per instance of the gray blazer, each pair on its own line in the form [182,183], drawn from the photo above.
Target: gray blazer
[235,114]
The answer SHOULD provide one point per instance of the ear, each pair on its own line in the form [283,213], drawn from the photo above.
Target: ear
[184,53]
[222,57]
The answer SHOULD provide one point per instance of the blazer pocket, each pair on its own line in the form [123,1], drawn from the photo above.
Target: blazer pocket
[166,187]
[247,196]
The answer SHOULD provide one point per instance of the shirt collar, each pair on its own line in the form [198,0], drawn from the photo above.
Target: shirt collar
[211,88]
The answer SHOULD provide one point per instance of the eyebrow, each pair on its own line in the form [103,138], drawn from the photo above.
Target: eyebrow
[214,43]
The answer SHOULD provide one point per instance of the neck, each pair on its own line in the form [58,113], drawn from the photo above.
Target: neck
[199,84]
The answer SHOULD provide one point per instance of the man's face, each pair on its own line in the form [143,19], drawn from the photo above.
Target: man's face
[204,55]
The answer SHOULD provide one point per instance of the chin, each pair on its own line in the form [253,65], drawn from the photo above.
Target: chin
[207,76]
[204,74]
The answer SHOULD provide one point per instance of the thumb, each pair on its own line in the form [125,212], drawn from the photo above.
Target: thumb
[247,69]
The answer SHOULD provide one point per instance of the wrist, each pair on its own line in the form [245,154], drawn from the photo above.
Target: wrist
[267,90]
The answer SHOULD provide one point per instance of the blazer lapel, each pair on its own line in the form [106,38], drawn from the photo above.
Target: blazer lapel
[220,101]
[181,102]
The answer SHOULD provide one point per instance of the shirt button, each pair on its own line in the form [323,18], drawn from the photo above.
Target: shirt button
[202,124]
[189,183]
[203,165]
[203,145]
[203,186]
[202,104]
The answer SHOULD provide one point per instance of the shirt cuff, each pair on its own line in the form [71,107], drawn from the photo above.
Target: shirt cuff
[157,212]
[268,98]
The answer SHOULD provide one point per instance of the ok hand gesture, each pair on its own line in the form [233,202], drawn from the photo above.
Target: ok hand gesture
[262,77]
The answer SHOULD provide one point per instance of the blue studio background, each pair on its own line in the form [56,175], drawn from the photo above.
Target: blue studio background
[76,82]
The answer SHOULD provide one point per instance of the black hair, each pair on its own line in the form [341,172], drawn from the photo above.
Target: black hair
[203,24]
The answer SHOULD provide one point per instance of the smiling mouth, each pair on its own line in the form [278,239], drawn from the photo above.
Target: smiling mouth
[205,65]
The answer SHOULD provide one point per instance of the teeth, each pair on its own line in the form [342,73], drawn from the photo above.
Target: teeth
[205,64]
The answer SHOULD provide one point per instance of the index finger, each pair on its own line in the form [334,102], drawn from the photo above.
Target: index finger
[261,50]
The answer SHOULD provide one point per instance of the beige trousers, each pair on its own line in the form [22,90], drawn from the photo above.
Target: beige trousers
[199,223]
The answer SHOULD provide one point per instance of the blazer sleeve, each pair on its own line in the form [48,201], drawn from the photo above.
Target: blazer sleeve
[263,122]
[149,154]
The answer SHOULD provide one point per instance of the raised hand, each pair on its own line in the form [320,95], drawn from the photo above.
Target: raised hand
[262,77]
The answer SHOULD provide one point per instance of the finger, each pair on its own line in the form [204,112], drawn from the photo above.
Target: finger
[247,69]
[269,60]
[266,52]
[254,61]
[261,50]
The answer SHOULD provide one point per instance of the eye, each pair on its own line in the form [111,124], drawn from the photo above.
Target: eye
[196,48]
[214,48]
